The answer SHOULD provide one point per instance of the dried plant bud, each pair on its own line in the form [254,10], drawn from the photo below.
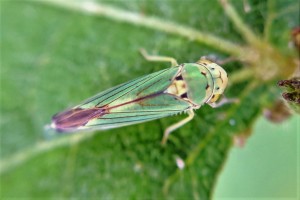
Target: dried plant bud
[240,139]
[292,93]
[278,112]
[296,37]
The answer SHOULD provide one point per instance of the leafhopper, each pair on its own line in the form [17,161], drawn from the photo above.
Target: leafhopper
[180,88]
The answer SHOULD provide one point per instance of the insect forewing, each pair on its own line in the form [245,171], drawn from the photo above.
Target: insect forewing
[136,101]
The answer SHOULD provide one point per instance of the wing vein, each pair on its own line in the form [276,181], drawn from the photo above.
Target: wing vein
[163,71]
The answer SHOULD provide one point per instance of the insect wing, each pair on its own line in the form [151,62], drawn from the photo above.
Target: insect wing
[136,101]
[158,106]
[146,97]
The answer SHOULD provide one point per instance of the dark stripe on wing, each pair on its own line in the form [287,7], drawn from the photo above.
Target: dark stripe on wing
[137,86]
[75,117]
[147,111]
[128,118]
[103,94]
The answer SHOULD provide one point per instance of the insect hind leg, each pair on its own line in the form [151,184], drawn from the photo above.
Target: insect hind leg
[152,58]
[176,126]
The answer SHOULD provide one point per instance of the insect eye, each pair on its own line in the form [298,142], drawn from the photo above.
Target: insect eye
[218,88]
[212,68]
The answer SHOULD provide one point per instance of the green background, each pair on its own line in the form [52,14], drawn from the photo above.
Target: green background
[267,166]
[52,58]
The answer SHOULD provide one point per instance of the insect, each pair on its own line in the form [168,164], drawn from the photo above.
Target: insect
[180,88]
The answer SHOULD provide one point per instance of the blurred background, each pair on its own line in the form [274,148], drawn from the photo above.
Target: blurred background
[54,54]
[267,166]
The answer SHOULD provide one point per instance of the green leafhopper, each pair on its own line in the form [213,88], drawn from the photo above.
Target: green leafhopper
[180,88]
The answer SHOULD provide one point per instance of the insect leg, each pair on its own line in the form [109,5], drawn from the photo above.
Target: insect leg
[176,126]
[158,58]
[223,101]
[215,59]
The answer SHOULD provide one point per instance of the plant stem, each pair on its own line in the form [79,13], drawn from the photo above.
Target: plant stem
[244,30]
[99,9]
[39,148]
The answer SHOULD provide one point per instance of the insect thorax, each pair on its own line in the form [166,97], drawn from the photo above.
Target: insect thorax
[192,83]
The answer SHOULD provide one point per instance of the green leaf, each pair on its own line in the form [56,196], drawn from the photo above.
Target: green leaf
[57,54]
